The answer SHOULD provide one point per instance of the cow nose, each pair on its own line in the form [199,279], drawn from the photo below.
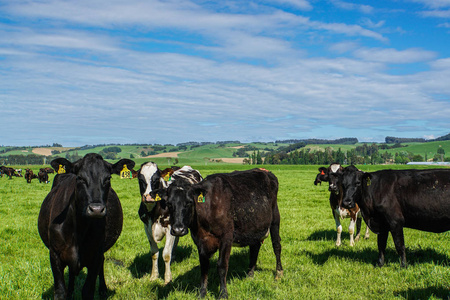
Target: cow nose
[179,231]
[96,210]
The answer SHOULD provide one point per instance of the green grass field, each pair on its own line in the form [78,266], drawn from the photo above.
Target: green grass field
[314,268]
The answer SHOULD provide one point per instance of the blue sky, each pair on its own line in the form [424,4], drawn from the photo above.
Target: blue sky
[145,71]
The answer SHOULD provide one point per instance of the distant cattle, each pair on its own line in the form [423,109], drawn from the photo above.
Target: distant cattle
[393,199]
[10,172]
[80,219]
[29,175]
[156,216]
[18,172]
[43,176]
[238,208]
[326,174]
[49,170]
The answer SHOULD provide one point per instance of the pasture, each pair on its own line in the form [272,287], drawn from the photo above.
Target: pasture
[314,268]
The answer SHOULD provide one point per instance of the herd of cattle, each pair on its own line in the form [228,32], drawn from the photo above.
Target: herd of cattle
[81,217]
[29,174]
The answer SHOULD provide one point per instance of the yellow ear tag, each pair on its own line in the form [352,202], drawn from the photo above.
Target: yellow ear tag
[201,198]
[167,177]
[61,169]
[125,173]
[369,182]
[157,198]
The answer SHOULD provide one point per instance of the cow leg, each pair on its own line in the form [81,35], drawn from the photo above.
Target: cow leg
[71,283]
[254,251]
[204,266]
[366,235]
[276,242]
[222,266]
[167,256]
[102,289]
[351,230]
[382,241]
[399,241]
[58,275]
[358,226]
[154,250]
[338,227]
[89,285]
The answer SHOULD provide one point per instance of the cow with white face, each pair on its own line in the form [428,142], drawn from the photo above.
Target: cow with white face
[155,215]
[330,174]
[155,218]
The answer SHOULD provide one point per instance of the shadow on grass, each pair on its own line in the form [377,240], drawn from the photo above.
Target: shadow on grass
[190,281]
[142,264]
[370,256]
[424,293]
[79,282]
[326,235]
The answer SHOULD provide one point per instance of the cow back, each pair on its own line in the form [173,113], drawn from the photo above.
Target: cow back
[242,201]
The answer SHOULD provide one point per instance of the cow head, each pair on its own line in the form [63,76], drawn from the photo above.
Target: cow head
[330,174]
[93,175]
[322,176]
[351,181]
[178,198]
[149,177]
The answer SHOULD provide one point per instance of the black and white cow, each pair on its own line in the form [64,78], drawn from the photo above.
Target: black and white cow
[156,216]
[326,175]
[393,199]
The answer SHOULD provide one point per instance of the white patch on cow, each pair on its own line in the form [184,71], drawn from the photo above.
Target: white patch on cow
[148,170]
[335,167]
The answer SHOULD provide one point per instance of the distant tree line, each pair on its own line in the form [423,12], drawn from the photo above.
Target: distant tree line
[342,141]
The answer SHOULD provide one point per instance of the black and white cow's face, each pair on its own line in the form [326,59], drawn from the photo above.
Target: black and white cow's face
[332,174]
[351,184]
[150,179]
[93,175]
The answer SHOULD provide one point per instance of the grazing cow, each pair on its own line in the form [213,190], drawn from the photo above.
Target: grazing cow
[393,199]
[29,175]
[325,174]
[43,176]
[80,219]
[18,172]
[156,216]
[10,172]
[239,208]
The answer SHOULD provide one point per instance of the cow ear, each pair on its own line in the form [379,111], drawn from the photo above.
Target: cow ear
[323,169]
[198,193]
[366,178]
[119,166]
[63,163]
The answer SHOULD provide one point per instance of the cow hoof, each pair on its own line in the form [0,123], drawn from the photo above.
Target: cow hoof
[154,277]
[279,274]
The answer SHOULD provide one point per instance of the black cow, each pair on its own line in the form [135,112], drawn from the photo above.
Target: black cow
[325,174]
[238,208]
[80,219]
[43,176]
[393,199]
[29,175]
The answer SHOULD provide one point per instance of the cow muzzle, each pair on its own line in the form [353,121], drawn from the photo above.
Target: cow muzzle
[148,199]
[96,211]
[348,204]
[179,230]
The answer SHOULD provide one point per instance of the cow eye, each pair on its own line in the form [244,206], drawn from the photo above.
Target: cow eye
[81,180]
[358,183]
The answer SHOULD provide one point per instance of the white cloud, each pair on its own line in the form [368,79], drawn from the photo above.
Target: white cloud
[394,56]
[366,9]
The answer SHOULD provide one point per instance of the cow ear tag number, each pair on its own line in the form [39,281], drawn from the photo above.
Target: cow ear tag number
[201,198]
[61,169]
[157,198]
[125,173]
